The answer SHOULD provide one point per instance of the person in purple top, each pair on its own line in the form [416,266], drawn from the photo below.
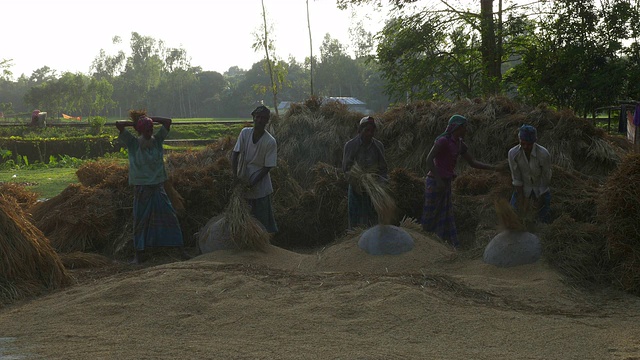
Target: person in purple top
[437,215]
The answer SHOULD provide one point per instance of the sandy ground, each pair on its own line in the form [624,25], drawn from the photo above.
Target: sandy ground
[337,303]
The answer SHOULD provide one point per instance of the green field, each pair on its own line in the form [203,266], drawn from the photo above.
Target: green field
[46,183]
[48,180]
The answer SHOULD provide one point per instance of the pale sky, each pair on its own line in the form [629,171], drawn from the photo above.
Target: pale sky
[67,35]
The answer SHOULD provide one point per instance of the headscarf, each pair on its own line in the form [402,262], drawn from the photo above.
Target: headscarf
[144,124]
[261,110]
[366,121]
[35,114]
[455,121]
[528,133]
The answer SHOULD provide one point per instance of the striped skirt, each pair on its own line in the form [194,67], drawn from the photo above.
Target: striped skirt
[437,212]
[155,222]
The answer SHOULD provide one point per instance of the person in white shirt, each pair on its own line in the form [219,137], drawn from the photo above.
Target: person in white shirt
[530,165]
[253,156]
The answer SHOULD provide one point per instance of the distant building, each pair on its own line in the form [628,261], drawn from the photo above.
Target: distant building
[352,104]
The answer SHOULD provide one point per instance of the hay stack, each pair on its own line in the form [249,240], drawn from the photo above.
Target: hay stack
[24,197]
[619,211]
[577,249]
[317,134]
[318,215]
[80,218]
[28,264]
[407,190]
[94,173]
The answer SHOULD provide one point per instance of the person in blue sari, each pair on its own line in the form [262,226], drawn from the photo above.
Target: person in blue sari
[155,223]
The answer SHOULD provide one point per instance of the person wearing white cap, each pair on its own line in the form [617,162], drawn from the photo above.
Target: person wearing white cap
[368,153]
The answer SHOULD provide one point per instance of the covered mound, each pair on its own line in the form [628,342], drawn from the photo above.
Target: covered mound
[28,264]
[345,256]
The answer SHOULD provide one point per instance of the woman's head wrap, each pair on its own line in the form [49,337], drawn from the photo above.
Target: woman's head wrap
[528,133]
[455,122]
[35,114]
[144,124]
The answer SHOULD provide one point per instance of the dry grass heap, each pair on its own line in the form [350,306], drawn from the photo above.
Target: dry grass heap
[619,211]
[319,215]
[80,218]
[309,133]
[24,197]
[28,264]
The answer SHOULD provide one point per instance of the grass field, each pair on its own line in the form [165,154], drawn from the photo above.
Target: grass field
[50,181]
[47,183]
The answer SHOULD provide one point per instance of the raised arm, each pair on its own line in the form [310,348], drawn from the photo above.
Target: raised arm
[121,124]
[166,122]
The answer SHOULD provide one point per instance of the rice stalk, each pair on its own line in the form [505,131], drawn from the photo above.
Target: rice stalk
[245,230]
[508,219]
[383,203]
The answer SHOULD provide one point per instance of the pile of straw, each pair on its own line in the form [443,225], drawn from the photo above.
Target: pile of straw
[619,211]
[28,264]
[577,249]
[24,197]
[307,136]
[407,190]
[318,215]
[94,173]
[80,218]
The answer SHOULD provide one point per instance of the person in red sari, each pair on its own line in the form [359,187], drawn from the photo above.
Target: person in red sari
[437,215]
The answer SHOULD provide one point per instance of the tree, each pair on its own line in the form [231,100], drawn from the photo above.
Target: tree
[265,42]
[5,67]
[573,60]
[310,52]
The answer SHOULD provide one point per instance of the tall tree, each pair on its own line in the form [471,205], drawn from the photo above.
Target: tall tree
[310,51]
[416,34]
[265,42]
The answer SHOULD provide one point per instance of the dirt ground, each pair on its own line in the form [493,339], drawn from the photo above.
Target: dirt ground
[336,303]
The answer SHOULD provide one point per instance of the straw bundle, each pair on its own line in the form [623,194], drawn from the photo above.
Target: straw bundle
[245,230]
[508,220]
[577,249]
[93,173]
[28,263]
[177,201]
[76,219]
[372,184]
[25,198]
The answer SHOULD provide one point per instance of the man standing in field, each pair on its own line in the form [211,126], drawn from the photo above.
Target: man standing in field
[253,156]
[530,165]
[368,153]
[155,223]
